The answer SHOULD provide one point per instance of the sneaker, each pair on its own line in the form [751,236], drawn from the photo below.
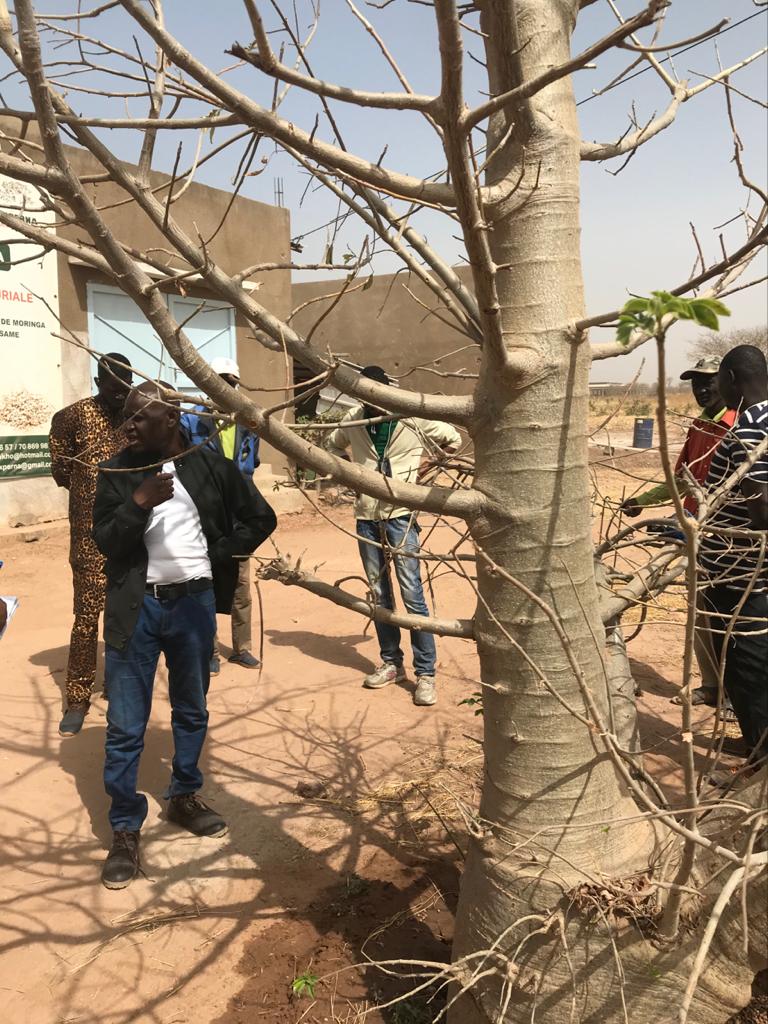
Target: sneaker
[122,863]
[244,658]
[189,811]
[426,694]
[215,667]
[73,719]
[384,675]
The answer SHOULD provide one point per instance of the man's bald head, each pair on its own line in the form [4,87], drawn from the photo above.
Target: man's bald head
[743,376]
[152,420]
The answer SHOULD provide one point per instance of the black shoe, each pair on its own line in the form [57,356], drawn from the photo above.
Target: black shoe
[122,863]
[215,665]
[244,658]
[189,811]
[73,719]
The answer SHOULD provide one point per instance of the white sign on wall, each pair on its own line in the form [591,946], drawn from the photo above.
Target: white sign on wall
[30,357]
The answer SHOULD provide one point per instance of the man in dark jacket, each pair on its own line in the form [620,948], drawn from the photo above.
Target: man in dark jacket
[172,536]
[234,442]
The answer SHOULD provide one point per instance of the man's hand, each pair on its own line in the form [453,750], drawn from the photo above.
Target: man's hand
[3,614]
[153,491]
[631,507]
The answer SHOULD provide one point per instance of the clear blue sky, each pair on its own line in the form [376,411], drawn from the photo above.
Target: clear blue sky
[636,233]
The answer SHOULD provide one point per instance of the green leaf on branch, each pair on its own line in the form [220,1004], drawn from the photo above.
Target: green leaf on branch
[649,314]
[707,311]
[638,305]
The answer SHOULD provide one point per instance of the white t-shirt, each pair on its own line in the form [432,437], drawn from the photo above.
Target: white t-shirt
[176,544]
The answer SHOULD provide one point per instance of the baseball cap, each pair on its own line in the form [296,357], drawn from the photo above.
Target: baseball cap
[222,364]
[707,365]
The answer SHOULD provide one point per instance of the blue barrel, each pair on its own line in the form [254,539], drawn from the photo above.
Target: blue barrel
[643,434]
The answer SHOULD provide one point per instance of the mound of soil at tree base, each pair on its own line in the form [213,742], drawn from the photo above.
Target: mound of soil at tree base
[324,949]
[392,911]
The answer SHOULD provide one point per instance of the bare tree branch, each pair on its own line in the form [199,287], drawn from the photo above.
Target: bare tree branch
[285,572]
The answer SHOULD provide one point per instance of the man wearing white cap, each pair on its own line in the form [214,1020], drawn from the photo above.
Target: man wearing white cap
[242,447]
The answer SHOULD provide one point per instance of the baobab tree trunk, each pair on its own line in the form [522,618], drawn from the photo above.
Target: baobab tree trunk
[550,791]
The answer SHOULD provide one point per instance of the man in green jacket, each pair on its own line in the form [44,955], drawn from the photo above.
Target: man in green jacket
[394,448]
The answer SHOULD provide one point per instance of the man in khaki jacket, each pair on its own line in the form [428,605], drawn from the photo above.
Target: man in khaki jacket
[394,448]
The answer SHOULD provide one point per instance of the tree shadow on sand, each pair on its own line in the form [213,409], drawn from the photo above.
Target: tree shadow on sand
[285,859]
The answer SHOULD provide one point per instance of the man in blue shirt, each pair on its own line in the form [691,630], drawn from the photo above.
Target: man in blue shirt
[242,447]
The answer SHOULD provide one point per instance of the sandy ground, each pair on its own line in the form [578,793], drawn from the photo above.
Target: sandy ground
[68,953]
[180,944]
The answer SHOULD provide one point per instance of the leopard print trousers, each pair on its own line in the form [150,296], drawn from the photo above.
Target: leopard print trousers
[89,587]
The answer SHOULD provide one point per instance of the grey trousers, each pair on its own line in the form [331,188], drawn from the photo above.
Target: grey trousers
[241,612]
[705,651]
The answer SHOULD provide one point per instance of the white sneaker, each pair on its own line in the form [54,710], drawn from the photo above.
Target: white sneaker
[384,675]
[426,694]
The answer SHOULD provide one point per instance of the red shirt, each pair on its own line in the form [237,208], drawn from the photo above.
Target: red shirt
[704,436]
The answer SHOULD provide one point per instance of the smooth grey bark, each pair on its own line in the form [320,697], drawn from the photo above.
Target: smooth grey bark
[549,787]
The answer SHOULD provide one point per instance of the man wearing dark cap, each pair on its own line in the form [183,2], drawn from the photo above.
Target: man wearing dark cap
[704,435]
[83,435]
[394,448]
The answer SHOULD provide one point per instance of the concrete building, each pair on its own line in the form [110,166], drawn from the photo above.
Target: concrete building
[390,324]
[51,303]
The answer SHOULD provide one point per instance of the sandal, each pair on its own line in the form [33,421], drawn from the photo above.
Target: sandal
[701,695]
[728,715]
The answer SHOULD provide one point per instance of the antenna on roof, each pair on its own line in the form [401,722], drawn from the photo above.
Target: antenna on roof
[279,194]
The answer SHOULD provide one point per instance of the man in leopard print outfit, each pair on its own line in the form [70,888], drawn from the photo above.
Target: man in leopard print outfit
[83,435]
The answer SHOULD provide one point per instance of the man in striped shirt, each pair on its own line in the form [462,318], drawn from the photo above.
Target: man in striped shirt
[704,435]
[732,556]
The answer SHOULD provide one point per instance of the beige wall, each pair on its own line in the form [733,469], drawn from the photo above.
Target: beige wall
[251,232]
[385,325]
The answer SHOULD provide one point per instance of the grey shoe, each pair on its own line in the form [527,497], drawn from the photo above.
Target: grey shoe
[384,675]
[73,719]
[215,665]
[245,659]
[426,694]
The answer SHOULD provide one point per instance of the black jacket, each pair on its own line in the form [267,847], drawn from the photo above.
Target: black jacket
[234,517]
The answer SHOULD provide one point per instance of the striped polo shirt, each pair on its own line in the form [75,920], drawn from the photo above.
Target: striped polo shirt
[728,560]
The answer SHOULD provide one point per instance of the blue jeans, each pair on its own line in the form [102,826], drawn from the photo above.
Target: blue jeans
[402,534]
[182,630]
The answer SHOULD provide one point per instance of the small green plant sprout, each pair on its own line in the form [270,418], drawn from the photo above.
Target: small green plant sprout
[475,701]
[647,314]
[303,985]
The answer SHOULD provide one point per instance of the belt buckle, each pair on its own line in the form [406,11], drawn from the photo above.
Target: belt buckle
[154,591]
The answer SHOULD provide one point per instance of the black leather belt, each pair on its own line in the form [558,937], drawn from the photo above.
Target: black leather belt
[172,591]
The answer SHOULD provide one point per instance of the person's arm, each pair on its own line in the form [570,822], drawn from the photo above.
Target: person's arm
[754,486]
[253,518]
[444,435]
[338,442]
[658,495]
[197,426]
[119,522]
[756,493]
[62,447]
